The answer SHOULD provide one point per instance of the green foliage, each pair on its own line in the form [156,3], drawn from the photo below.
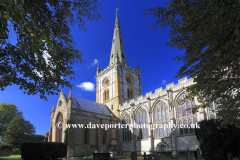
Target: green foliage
[7,112]
[42,58]
[4,145]
[42,150]
[36,138]
[209,33]
[217,142]
[19,130]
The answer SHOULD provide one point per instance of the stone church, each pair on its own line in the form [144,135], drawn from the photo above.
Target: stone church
[119,99]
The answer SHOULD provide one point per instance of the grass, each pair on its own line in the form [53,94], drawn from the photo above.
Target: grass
[12,157]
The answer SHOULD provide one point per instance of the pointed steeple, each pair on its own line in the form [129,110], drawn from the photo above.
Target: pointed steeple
[138,69]
[53,107]
[53,110]
[70,94]
[117,51]
[98,70]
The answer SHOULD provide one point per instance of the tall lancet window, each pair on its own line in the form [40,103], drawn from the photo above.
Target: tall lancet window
[142,118]
[161,117]
[59,126]
[106,95]
[185,116]
[126,132]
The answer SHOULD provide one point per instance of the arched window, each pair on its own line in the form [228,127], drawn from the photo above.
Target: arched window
[195,121]
[126,132]
[190,122]
[104,136]
[183,105]
[59,125]
[86,135]
[142,118]
[185,122]
[161,117]
[189,106]
[106,95]
[181,127]
[179,111]
[130,93]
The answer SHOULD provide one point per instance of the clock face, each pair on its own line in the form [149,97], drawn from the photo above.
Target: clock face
[128,80]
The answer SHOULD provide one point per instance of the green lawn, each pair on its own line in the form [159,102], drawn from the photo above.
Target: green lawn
[11,157]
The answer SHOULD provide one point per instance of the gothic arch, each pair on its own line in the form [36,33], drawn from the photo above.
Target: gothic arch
[126,132]
[144,107]
[130,93]
[161,116]
[106,95]
[125,115]
[179,94]
[141,115]
[59,125]
[158,100]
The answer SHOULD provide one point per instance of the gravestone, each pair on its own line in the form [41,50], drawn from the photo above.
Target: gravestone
[199,154]
[144,156]
[6,152]
[113,154]
[155,156]
[134,155]
[149,156]
[188,154]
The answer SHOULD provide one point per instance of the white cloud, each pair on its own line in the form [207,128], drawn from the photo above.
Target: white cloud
[86,86]
[163,81]
[95,62]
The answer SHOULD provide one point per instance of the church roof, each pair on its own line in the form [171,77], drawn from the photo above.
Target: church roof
[117,51]
[85,105]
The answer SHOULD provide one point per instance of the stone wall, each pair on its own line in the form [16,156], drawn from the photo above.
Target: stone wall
[95,135]
[184,142]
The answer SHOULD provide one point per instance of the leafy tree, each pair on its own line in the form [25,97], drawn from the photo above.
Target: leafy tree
[4,145]
[217,142]
[8,112]
[45,50]
[36,138]
[19,130]
[209,33]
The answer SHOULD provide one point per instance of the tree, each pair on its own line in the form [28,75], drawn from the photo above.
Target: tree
[36,138]
[45,50]
[8,112]
[209,33]
[19,130]
[216,142]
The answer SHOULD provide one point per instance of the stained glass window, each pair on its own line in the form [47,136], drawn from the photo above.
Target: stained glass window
[143,119]
[126,132]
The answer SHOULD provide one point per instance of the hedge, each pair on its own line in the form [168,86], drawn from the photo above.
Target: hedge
[42,150]
[216,142]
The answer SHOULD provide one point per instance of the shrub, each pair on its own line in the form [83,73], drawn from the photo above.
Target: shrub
[42,150]
[218,143]
[4,145]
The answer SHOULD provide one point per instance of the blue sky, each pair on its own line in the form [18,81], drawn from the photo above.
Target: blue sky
[142,44]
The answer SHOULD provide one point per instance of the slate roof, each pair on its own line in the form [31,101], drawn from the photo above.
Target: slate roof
[85,105]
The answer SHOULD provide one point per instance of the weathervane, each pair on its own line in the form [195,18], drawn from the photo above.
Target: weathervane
[117,10]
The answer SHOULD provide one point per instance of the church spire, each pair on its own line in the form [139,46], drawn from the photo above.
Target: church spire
[117,51]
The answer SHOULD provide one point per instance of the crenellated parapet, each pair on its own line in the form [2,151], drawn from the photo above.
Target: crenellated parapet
[159,92]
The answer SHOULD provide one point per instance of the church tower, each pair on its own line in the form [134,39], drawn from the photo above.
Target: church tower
[118,82]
